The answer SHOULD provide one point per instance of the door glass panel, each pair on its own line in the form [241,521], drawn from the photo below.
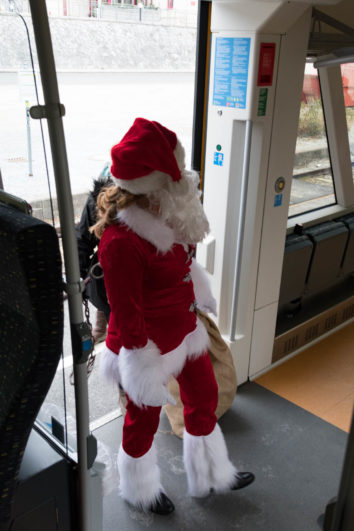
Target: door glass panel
[348,92]
[312,184]
[26,169]
[104,84]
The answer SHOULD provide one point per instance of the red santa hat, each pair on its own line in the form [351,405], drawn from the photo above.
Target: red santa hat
[147,157]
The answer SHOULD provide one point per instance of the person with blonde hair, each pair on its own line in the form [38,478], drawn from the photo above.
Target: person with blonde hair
[149,224]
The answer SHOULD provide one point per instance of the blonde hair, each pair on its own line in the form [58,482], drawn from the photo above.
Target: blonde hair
[109,201]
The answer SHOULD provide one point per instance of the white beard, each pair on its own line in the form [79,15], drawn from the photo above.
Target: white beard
[180,207]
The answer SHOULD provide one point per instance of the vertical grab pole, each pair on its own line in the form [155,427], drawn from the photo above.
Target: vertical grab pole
[344,509]
[29,142]
[71,258]
[241,226]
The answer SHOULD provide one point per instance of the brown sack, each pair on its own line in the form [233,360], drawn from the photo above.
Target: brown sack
[225,375]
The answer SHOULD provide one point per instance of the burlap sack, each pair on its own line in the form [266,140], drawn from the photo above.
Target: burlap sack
[225,375]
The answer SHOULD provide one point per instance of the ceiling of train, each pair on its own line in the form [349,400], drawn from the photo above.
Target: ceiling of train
[332,24]
[329,34]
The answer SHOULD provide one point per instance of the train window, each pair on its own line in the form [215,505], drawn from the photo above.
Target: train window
[312,184]
[347,71]
[117,72]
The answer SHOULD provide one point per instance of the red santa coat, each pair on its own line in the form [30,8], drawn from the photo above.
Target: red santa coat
[148,278]
[151,294]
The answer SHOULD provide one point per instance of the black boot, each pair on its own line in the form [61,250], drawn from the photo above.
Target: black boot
[162,505]
[242,479]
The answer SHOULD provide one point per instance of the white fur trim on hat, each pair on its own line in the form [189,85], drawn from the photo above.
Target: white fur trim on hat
[140,483]
[147,226]
[154,180]
[180,155]
[143,185]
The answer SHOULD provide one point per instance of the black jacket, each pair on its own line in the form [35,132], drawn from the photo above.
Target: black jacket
[87,246]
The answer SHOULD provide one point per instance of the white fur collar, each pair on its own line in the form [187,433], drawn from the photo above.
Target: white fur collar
[147,226]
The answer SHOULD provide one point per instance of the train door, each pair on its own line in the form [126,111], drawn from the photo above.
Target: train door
[61,432]
[257,59]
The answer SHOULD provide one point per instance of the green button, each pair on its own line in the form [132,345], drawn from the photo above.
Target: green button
[218,147]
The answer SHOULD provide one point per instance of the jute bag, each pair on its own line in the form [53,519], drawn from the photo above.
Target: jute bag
[225,375]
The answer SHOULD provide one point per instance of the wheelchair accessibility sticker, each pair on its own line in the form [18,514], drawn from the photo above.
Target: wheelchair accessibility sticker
[218,159]
[278,199]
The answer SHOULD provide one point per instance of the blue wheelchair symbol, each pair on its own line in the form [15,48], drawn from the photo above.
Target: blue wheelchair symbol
[218,159]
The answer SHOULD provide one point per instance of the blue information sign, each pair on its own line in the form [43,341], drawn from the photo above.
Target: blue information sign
[278,199]
[231,71]
[218,159]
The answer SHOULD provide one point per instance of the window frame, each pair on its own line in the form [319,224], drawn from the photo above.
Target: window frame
[332,96]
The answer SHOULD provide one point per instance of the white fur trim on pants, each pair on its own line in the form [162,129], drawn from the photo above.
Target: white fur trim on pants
[207,463]
[139,478]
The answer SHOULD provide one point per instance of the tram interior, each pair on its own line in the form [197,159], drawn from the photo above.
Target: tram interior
[290,420]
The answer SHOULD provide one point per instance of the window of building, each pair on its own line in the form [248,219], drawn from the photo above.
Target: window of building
[312,185]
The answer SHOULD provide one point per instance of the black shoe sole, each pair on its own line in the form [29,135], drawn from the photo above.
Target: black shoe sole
[162,506]
[243,480]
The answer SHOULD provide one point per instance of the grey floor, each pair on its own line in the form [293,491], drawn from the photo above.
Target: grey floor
[297,459]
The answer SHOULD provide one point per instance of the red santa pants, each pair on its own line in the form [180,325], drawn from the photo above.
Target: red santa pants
[199,394]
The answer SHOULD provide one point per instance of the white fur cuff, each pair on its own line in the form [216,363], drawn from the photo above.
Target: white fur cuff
[142,375]
[202,291]
[196,465]
[109,370]
[222,471]
[207,463]
[139,478]
[198,342]
[144,372]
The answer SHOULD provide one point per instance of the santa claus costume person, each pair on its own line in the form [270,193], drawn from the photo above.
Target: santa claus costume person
[148,226]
